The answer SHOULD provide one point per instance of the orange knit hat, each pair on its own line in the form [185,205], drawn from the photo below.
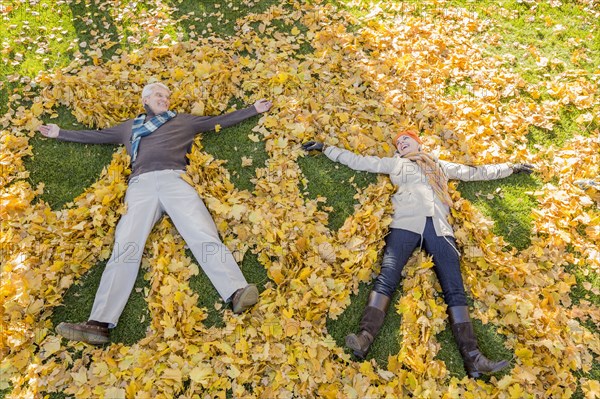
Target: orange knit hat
[409,133]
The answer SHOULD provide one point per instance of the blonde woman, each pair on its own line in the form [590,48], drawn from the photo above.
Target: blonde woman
[420,220]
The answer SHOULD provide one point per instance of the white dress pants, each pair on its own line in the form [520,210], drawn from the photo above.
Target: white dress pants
[148,196]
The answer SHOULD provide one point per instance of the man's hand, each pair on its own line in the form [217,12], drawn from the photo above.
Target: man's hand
[263,105]
[49,130]
[522,168]
[313,145]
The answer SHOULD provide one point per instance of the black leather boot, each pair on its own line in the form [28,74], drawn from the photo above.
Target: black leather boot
[370,324]
[475,362]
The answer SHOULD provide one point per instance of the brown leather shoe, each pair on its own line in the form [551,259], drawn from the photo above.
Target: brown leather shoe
[84,332]
[244,298]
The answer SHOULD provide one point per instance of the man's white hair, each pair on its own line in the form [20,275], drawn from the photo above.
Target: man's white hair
[149,89]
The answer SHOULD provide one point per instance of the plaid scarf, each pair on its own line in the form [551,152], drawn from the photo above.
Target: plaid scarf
[141,129]
[435,175]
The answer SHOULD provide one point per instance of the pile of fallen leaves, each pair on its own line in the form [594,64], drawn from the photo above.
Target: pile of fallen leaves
[349,87]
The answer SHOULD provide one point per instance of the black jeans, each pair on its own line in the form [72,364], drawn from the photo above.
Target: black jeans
[399,246]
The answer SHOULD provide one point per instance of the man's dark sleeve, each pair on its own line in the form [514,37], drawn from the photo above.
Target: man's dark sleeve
[208,123]
[113,135]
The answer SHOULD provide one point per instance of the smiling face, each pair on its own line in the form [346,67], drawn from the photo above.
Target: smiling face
[158,100]
[406,144]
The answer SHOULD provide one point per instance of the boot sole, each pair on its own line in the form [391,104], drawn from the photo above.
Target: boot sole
[477,374]
[248,298]
[77,335]
[503,364]
[352,343]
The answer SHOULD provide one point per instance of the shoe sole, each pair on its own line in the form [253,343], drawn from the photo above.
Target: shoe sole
[78,335]
[479,374]
[501,365]
[352,343]
[248,298]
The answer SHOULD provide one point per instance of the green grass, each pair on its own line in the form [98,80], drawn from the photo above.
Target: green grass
[66,169]
[44,36]
[91,21]
[233,144]
[564,129]
[577,294]
[554,32]
[336,182]
[507,204]
[36,38]
[209,18]
[528,30]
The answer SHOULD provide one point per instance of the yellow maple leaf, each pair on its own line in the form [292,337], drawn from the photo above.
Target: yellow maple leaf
[201,374]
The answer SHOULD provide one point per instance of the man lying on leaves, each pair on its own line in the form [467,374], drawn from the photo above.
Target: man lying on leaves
[158,142]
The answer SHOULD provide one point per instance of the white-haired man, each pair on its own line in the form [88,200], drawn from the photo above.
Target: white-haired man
[158,142]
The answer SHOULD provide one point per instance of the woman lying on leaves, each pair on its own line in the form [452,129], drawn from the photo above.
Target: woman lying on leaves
[420,219]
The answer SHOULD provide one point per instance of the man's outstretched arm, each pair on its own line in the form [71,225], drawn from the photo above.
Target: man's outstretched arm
[208,123]
[113,135]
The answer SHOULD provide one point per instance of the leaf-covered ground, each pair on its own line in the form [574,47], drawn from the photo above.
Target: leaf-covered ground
[483,82]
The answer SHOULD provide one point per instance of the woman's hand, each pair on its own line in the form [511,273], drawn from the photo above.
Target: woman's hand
[522,168]
[313,145]
[50,130]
